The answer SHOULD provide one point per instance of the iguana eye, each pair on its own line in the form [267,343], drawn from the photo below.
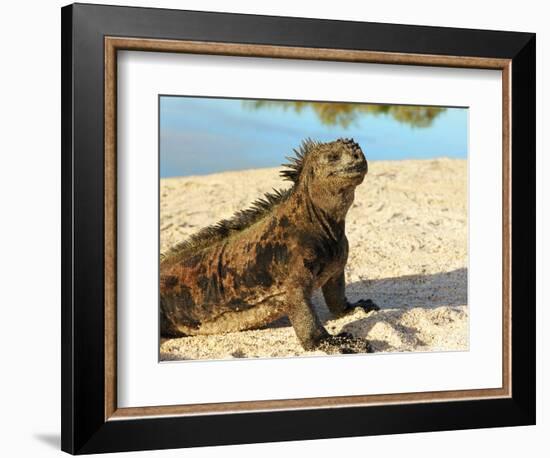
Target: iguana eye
[333,157]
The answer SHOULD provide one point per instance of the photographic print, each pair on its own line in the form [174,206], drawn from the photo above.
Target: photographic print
[307,228]
[245,205]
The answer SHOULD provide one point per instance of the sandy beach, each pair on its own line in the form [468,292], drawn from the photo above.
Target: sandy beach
[407,232]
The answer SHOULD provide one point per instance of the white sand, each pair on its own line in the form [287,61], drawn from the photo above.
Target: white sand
[407,232]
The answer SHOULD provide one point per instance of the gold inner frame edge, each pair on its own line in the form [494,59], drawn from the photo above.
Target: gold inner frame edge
[114,44]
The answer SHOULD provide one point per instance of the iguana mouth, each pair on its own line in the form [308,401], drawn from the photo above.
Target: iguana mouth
[354,170]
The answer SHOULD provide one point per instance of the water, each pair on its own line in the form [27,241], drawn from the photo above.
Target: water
[200,136]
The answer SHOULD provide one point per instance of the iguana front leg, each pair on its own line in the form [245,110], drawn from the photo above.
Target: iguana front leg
[306,324]
[311,333]
[334,292]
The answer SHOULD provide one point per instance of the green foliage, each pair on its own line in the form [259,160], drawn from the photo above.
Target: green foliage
[344,114]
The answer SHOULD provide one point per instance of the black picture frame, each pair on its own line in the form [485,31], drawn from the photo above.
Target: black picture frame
[84,428]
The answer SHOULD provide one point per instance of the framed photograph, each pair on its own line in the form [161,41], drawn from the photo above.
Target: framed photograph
[284,228]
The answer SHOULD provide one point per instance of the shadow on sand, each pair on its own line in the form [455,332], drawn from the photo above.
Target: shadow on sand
[426,291]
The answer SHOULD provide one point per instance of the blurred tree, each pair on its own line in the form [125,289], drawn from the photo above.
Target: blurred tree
[344,114]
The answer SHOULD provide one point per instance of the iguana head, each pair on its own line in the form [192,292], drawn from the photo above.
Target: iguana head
[334,164]
[341,162]
[328,173]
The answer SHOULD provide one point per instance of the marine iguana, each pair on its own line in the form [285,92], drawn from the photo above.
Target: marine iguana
[266,261]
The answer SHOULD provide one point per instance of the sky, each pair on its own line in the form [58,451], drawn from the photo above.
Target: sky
[199,136]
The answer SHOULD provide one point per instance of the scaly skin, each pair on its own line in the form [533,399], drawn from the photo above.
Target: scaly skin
[266,261]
